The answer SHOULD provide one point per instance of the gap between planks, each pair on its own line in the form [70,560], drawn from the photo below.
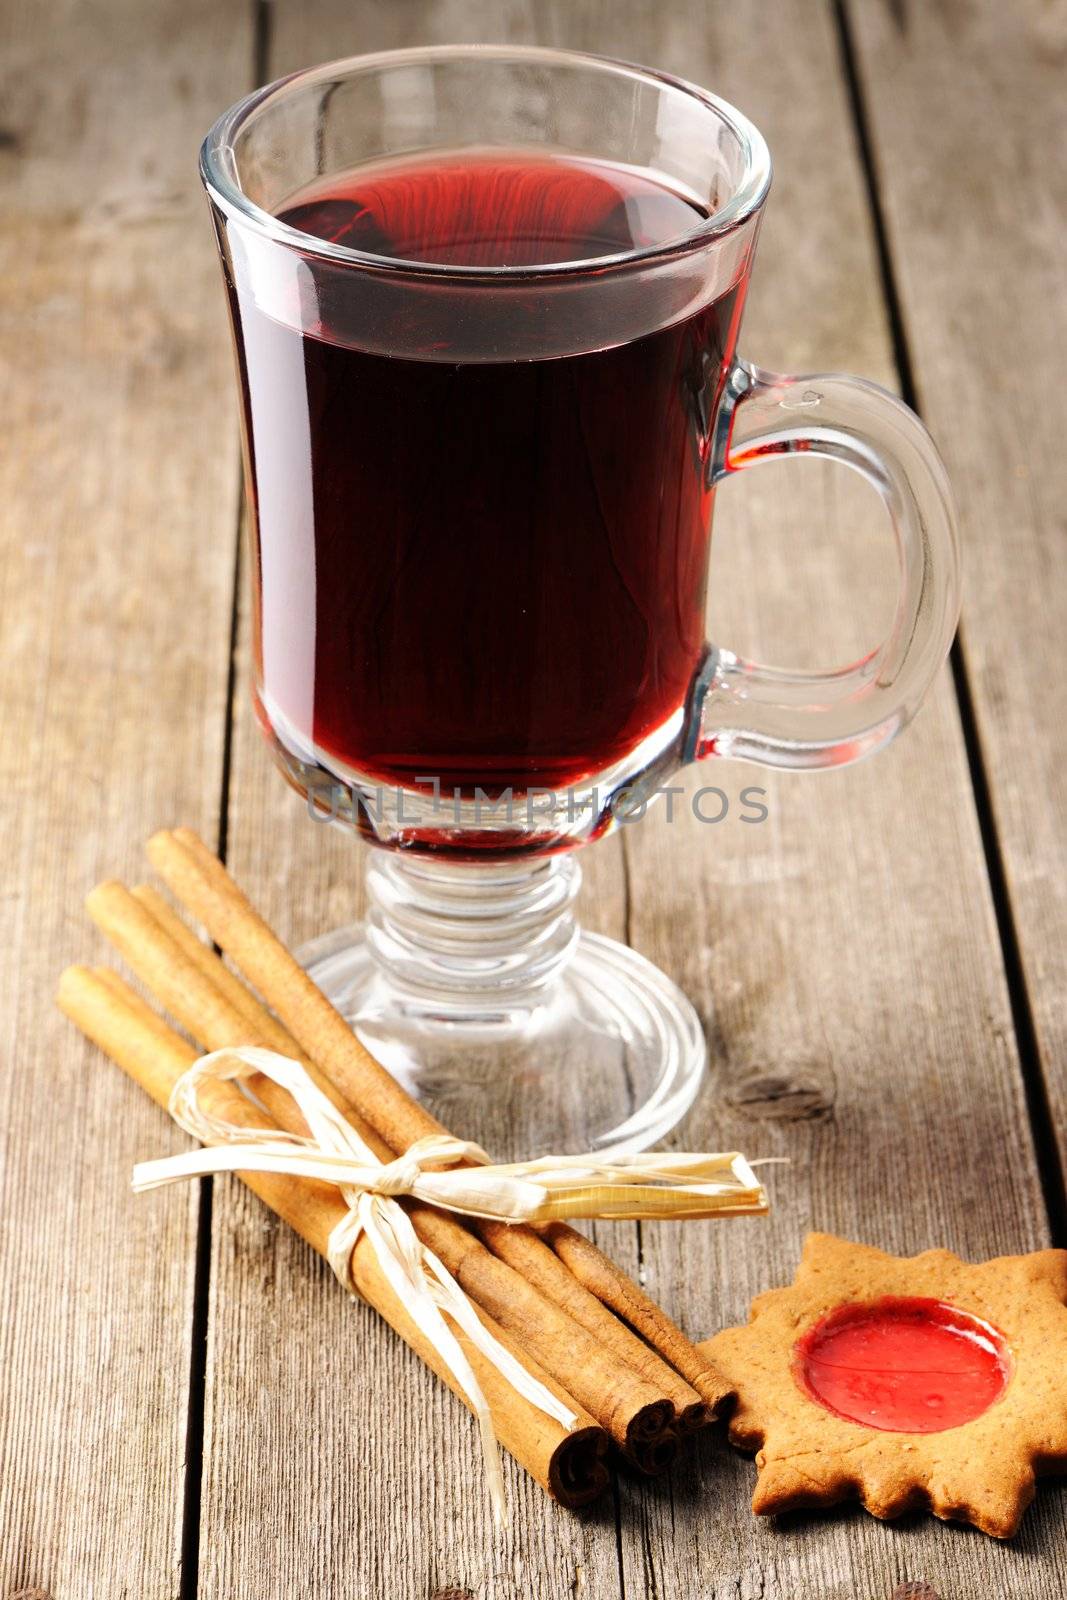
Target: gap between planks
[1039,1109]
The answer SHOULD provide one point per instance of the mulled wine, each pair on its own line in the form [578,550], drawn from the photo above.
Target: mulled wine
[490,572]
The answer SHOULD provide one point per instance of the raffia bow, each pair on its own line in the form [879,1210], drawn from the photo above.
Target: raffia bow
[660,1184]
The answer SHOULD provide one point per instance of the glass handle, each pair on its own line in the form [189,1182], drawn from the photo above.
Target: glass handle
[784,718]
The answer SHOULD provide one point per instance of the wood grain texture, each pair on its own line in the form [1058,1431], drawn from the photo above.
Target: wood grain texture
[357,1471]
[969,123]
[119,489]
[843,953]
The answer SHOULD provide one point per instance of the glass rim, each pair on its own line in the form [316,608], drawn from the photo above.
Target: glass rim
[218,166]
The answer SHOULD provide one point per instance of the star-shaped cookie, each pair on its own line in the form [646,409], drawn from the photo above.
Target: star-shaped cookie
[906,1382]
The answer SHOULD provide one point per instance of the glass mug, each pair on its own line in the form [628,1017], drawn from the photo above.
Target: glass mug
[485,302]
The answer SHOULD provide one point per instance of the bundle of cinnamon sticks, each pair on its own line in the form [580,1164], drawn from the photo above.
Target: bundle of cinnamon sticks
[573,1318]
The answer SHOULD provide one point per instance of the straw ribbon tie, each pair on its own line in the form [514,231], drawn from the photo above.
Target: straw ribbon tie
[421,1282]
[660,1184]
[399,1176]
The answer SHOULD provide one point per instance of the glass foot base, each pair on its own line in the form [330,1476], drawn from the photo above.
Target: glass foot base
[608,1057]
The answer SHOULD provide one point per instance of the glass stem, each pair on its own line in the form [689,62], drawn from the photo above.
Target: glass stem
[472,934]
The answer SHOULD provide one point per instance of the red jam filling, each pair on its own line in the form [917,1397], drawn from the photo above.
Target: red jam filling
[903,1365]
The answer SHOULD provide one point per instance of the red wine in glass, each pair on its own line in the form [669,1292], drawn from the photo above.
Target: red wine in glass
[487,572]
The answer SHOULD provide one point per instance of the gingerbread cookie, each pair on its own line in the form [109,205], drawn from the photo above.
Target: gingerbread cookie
[908,1382]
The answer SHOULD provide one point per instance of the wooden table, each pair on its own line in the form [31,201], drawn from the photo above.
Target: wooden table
[187,1405]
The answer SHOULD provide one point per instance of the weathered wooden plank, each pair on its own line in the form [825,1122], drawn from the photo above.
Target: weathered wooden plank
[844,953]
[329,1445]
[969,123]
[119,493]
[857,1005]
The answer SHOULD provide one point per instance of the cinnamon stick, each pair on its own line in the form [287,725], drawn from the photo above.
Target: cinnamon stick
[201,883]
[616,1289]
[211,965]
[570,1465]
[518,1245]
[523,1248]
[636,1414]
